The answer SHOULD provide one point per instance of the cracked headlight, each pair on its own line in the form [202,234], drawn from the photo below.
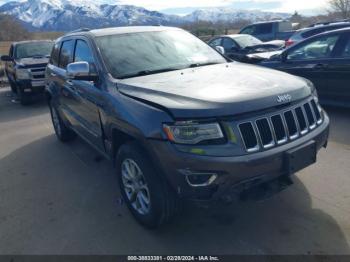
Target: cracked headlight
[193,133]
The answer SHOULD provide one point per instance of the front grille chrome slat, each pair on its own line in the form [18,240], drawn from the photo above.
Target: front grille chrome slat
[310,116]
[279,129]
[271,131]
[291,125]
[249,136]
[265,133]
[301,119]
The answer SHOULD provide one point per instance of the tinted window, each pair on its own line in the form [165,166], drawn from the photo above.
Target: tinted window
[321,47]
[128,55]
[228,43]
[83,52]
[264,29]
[215,42]
[66,53]
[55,54]
[346,52]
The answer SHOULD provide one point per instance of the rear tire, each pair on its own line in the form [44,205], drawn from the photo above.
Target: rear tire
[63,133]
[160,203]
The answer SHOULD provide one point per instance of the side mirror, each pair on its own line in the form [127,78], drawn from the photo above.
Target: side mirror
[6,58]
[220,49]
[82,71]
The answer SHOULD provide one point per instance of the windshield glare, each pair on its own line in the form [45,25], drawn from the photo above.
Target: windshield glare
[247,40]
[128,55]
[33,49]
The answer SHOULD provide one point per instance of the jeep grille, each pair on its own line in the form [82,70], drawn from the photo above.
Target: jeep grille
[270,131]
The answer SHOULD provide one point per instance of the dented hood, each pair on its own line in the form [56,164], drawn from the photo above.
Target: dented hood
[216,90]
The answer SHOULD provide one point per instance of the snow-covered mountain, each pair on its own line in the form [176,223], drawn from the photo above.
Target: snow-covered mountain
[66,15]
[228,14]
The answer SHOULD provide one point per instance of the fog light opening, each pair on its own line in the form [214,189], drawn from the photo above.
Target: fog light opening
[200,179]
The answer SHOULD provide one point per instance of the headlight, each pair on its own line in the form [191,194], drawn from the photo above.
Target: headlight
[22,74]
[193,133]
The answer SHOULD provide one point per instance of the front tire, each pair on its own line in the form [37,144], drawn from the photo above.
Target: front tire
[23,98]
[149,198]
[13,86]
[63,133]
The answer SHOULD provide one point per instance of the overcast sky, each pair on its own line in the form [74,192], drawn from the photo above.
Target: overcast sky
[186,6]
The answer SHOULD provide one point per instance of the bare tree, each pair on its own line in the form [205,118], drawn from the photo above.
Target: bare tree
[342,7]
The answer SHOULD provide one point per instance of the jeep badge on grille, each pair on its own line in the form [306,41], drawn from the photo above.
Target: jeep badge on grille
[284,98]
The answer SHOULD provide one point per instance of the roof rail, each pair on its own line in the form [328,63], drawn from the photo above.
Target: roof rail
[329,22]
[79,30]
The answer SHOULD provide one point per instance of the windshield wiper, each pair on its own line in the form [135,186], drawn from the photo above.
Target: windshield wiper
[202,64]
[150,72]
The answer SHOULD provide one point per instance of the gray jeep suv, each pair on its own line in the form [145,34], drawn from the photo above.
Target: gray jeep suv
[178,119]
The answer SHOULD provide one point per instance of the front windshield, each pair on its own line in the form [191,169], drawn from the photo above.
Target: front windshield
[34,49]
[129,55]
[247,40]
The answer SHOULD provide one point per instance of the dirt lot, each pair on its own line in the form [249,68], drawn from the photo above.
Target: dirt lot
[63,199]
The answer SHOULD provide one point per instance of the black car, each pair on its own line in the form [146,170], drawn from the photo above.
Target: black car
[178,120]
[25,68]
[323,59]
[305,33]
[237,47]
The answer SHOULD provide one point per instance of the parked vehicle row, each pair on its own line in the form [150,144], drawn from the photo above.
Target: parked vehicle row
[320,57]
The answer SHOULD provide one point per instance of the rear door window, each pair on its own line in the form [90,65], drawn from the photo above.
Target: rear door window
[346,52]
[319,48]
[66,54]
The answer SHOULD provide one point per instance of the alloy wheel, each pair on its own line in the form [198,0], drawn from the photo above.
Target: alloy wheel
[135,186]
